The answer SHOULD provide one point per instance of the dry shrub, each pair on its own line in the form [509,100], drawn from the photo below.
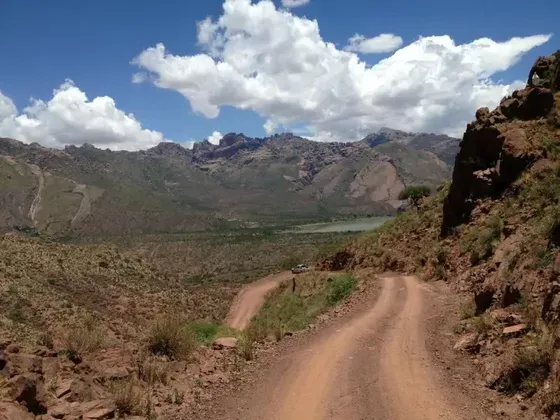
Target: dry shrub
[531,365]
[484,323]
[245,347]
[152,369]
[85,338]
[127,397]
[468,309]
[171,336]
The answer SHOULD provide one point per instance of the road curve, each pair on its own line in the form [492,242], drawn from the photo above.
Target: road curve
[251,297]
[375,366]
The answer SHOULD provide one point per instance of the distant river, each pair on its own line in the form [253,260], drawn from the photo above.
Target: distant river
[354,225]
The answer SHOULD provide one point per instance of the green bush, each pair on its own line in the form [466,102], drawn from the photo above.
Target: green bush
[339,288]
[415,193]
[481,243]
[205,332]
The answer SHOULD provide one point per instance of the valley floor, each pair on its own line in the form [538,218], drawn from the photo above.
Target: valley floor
[391,357]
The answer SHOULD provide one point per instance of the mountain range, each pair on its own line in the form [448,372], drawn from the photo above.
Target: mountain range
[244,181]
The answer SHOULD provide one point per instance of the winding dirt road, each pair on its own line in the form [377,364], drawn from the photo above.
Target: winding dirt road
[249,300]
[374,366]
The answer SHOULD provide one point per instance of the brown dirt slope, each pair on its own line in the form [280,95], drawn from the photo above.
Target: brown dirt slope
[494,233]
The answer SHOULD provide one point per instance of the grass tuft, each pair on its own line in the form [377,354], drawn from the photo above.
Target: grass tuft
[87,337]
[170,336]
[127,397]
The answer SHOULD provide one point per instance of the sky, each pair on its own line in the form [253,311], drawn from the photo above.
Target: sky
[127,75]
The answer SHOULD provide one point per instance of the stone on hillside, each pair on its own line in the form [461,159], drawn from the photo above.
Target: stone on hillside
[224,343]
[12,348]
[24,390]
[64,388]
[10,411]
[515,330]
[468,342]
[60,410]
[98,409]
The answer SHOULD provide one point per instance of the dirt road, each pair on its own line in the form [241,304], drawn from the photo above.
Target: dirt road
[249,300]
[375,366]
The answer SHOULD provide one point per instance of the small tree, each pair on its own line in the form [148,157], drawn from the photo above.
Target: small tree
[414,194]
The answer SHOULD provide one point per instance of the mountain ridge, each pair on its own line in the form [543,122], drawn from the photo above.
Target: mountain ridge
[282,178]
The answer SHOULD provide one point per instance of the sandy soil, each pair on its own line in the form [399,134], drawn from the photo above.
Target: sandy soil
[377,364]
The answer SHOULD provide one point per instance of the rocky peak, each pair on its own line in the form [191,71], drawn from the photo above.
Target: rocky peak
[495,149]
[170,149]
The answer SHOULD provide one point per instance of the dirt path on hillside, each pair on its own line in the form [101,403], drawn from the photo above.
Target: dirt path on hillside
[373,366]
[36,204]
[251,297]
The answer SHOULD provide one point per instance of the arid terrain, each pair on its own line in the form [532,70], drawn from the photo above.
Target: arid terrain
[448,311]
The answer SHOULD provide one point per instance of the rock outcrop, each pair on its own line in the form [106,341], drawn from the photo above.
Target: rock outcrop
[495,148]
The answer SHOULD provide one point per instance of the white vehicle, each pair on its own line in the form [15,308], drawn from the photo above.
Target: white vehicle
[301,268]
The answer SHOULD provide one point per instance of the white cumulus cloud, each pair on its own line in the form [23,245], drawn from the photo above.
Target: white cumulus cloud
[260,58]
[69,117]
[215,137]
[378,44]
[294,3]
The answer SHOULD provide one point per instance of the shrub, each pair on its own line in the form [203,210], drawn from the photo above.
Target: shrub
[339,288]
[87,337]
[531,365]
[245,347]
[175,397]
[170,336]
[468,309]
[482,243]
[152,370]
[415,193]
[484,323]
[127,397]
[204,331]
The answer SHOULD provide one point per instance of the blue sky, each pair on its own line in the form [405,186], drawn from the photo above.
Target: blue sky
[93,43]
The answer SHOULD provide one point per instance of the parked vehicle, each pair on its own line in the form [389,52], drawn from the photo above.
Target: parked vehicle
[301,268]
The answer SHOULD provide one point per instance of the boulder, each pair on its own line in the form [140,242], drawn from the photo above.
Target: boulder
[64,388]
[98,409]
[60,410]
[22,363]
[10,411]
[24,390]
[12,348]
[224,343]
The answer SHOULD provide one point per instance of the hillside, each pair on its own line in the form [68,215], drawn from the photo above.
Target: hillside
[281,179]
[493,234]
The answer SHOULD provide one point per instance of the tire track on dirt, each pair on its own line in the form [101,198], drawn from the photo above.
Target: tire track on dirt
[374,366]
